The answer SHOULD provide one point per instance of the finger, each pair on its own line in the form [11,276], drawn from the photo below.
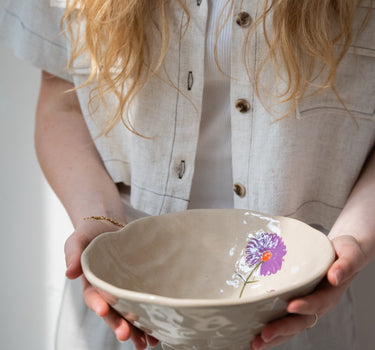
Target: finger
[259,344]
[118,325]
[286,327]
[323,299]
[74,246]
[93,299]
[138,337]
[151,340]
[125,330]
[350,260]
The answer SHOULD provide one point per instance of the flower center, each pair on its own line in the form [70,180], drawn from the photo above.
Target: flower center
[267,255]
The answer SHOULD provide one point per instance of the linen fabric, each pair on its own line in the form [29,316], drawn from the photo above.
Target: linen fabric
[303,166]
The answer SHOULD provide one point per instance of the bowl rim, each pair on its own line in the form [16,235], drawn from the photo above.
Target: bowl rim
[149,298]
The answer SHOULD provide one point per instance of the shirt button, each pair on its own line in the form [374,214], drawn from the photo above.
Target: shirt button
[242,105]
[239,189]
[243,19]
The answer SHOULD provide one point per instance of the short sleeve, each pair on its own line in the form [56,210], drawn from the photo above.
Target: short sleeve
[31,29]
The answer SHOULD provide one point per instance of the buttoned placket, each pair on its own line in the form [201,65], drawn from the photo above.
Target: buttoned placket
[242,95]
[188,103]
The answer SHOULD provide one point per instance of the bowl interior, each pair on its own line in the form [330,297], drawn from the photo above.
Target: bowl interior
[204,254]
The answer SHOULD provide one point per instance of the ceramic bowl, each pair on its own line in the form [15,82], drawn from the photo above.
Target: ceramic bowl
[206,279]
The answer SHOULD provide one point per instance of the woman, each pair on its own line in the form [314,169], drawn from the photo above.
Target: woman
[183,101]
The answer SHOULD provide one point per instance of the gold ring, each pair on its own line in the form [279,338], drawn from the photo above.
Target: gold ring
[315,321]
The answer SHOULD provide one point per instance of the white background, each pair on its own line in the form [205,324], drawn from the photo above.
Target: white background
[34,227]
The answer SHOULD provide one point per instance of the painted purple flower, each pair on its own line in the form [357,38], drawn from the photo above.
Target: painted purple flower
[267,250]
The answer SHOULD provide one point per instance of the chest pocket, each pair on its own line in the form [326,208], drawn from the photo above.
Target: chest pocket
[355,80]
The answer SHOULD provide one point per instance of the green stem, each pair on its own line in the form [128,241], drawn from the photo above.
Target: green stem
[248,277]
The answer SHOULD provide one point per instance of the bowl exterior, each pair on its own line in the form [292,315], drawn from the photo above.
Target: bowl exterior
[221,327]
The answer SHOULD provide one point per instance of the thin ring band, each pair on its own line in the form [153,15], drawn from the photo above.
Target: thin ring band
[315,321]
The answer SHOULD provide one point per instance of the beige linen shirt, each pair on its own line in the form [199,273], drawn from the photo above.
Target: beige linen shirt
[303,166]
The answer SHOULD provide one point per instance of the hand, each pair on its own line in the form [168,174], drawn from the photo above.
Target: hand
[350,260]
[74,247]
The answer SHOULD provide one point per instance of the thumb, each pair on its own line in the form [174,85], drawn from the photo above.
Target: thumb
[350,260]
[74,246]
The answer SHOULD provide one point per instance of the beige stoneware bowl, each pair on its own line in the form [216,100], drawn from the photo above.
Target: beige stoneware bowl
[206,279]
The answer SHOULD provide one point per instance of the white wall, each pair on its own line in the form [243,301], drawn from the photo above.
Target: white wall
[33,223]
[34,227]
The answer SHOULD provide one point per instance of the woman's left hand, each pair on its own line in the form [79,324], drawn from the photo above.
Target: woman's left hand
[303,311]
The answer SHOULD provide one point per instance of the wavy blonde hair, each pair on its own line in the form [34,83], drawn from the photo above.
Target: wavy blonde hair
[305,34]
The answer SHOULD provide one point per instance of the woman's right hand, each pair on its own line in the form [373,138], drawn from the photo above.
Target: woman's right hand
[84,233]
[73,167]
